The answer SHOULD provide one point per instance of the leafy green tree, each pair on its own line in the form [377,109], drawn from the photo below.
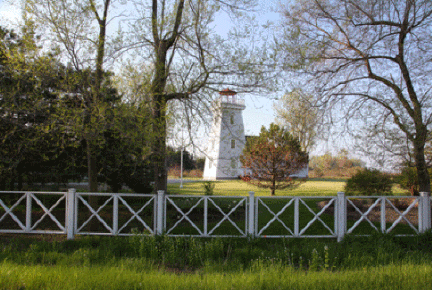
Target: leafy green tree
[297,112]
[125,154]
[29,76]
[79,29]
[272,158]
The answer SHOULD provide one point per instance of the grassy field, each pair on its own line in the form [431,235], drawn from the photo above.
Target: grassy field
[312,187]
[378,262]
[265,277]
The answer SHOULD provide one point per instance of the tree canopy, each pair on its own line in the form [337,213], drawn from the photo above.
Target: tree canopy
[271,159]
[369,60]
[297,112]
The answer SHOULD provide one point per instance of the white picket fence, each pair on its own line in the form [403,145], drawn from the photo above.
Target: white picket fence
[71,213]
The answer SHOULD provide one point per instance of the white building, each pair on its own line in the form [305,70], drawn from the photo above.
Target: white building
[227,139]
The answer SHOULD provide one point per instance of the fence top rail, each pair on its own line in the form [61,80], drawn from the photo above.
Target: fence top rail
[113,194]
[36,192]
[205,196]
[382,196]
[299,197]
[136,194]
[211,196]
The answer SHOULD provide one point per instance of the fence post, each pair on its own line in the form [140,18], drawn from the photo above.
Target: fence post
[425,212]
[70,213]
[160,212]
[115,215]
[28,211]
[251,221]
[341,216]
[383,215]
[206,215]
[296,217]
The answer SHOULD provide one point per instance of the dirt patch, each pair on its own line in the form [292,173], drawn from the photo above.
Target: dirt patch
[374,214]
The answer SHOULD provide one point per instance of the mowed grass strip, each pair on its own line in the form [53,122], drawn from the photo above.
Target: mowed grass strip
[241,188]
[311,187]
[259,276]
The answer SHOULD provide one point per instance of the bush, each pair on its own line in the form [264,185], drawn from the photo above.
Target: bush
[408,180]
[208,187]
[369,182]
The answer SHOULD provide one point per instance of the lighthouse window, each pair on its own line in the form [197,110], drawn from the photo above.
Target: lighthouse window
[233,163]
[233,145]
[232,119]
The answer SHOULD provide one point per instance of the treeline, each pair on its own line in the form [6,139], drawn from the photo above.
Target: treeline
[329,166]
[192,167]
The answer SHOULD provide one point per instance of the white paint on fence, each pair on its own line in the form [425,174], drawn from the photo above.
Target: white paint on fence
[245,224]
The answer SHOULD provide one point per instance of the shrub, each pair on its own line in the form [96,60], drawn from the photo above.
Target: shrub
[369,182]
[408,180]
[208,187]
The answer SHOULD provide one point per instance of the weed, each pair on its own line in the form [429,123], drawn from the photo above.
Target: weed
[208,187]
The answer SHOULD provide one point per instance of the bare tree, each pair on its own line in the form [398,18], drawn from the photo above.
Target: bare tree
[372,59]
[189,62]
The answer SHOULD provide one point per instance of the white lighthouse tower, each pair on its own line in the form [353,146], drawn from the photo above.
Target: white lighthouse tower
[227,139]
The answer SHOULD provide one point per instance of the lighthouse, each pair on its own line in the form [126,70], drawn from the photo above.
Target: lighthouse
[226,139]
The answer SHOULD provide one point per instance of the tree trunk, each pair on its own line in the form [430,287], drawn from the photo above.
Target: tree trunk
[159,144]
[422,172]
[273,187]
[93,183]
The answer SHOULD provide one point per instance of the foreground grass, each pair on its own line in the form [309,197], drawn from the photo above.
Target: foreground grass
[263,277]
[138,262]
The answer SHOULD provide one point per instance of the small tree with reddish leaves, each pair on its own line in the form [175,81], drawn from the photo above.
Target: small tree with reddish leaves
[272,158]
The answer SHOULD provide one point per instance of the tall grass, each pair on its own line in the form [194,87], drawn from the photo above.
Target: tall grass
[225,254]
[142,262]
[273,276]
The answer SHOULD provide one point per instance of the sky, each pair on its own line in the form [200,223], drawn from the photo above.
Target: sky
[7,12]
[259,109]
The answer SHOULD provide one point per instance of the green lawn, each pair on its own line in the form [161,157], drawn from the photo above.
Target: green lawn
[311,187]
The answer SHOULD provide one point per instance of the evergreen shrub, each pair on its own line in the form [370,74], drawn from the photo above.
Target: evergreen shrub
[369,182]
